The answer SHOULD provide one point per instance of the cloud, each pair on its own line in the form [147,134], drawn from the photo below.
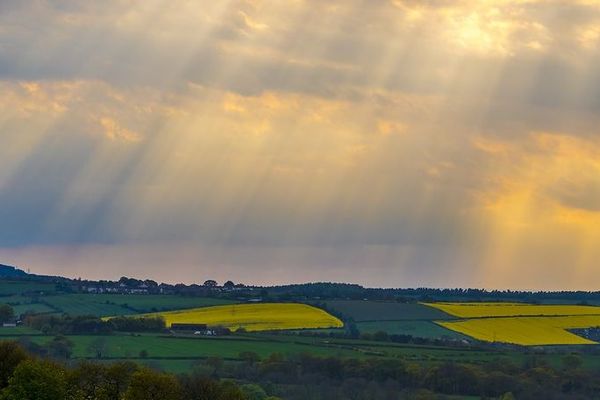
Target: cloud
[425,139]
[114,131]
[330,49]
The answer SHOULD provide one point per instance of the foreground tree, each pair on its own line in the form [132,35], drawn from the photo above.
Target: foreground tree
[87,381]
[117,378]
[146,384]
[11,354]
[200,387]
[36,380]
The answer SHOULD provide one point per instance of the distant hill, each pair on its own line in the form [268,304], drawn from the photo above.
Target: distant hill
[6,271]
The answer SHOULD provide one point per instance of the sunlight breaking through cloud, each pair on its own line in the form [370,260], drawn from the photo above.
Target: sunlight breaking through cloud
[437,143]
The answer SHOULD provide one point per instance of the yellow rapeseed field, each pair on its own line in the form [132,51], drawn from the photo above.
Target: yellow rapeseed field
[476,310]
[255,317]
[526,331]
[520,323]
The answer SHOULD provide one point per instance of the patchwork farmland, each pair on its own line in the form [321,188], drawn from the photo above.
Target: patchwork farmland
[320,329]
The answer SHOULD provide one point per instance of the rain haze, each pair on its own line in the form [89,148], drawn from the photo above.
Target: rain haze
[400,143]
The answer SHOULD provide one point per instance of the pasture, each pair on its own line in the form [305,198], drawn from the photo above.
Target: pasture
[414,319]
[8,288]
[32,308]
[361,310]
[103,305]
[423,329]
[255,317]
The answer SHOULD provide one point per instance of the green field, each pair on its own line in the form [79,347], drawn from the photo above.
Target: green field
[35,308]
[120,304]
[413,319]
[361,310]
[16,331]
[176,354]
[16,287]
[424,329]
[170,347]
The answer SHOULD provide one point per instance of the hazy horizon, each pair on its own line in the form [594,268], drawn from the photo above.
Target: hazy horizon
[392,143]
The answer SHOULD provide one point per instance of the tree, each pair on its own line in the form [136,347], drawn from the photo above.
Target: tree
[118,376]
[98,347]
[150,385]
[253,392]
[36,380]
[88,381]
[7,314]
[210,283]
[200,387]
[216,363]
[230,391]
[11,355]
[572,361]
[250,357]
[60,347]
[229,285]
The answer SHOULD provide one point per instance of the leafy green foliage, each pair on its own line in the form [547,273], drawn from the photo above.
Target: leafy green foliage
[36,380]
[7,314]
[150,385]
[11,354]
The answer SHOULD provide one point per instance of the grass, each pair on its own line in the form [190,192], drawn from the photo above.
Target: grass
[17,331]
[19,287]
[188,348]
[363,310]
[103,305]
[178,354]
[35,308]
[424,329]
[255,317]
[413,319]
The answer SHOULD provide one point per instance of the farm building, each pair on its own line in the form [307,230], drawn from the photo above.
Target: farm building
[189,327]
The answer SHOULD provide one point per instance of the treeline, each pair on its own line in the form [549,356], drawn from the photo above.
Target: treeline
[351,332]
[78,325]
[308,291]
[307,377]
[328,291]
[23,377]
[296,377]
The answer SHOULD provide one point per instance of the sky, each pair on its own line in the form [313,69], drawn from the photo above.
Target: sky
[394,143]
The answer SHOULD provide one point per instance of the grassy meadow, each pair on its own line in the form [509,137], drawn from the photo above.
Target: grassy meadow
[419,329]
[103,305]
[361,310]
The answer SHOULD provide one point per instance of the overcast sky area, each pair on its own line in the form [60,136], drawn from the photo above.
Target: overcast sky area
[396,143]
